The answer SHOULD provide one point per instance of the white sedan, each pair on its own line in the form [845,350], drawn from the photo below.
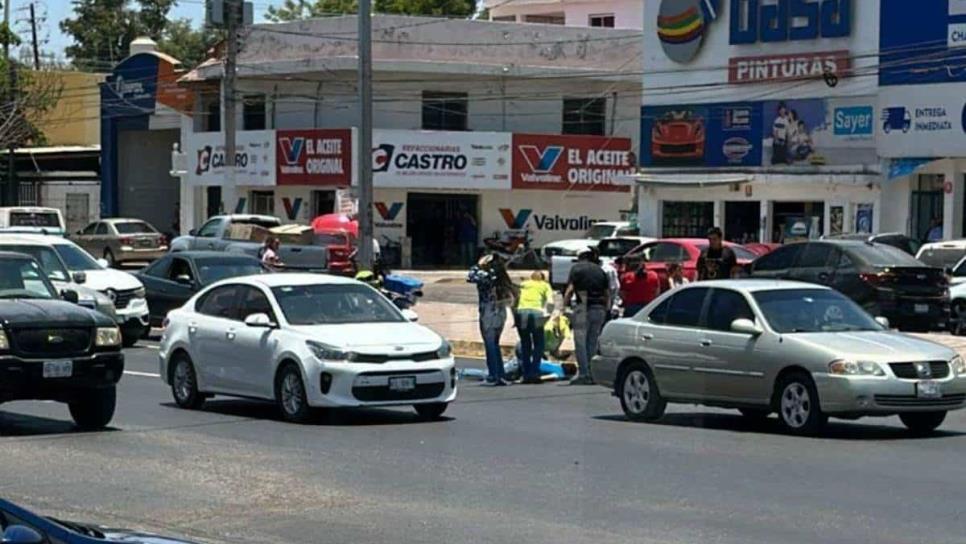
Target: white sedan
[304,341]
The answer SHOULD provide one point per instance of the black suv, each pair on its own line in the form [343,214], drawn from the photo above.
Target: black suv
[53,349]
[882,279]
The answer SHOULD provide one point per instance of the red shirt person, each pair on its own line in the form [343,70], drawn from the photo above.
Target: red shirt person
[638,288]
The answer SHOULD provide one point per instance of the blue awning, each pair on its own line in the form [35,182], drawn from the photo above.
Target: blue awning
[903,167]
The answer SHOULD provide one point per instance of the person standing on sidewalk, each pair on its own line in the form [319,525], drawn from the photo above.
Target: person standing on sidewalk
[467,235]
[592,289]
[716,262]
[535,295]
[639,286]
[495,293]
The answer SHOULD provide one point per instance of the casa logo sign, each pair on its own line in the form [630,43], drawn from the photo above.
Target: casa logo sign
[853,121]
[754,21]
[570,162]
[681,27]
[314,157]
[388,212]
[545,222]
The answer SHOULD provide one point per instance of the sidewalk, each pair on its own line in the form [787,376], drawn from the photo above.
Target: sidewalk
[453,276]
[458,324]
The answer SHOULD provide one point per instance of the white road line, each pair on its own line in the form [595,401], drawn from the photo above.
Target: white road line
[142,374]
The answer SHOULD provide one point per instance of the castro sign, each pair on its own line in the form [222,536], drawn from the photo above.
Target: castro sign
[441,160]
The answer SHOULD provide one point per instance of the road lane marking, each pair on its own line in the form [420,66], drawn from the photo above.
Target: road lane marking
[142,374]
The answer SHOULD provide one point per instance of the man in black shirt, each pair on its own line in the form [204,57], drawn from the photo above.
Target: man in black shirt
[716,262]
[588,282]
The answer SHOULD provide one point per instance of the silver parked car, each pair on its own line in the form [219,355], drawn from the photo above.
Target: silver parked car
[762,346]
[119,240]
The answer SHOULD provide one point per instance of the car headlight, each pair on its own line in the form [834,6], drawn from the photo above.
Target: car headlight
[444,351]
[958,366]
[843,367]
[4,343]
[139,292]
[328,353]
[107,336]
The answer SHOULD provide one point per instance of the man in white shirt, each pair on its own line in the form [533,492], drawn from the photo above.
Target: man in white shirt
[270,252]
[779,136]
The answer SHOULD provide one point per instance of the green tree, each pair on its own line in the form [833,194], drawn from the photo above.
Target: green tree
[293,10]
[102,31]
[188,44]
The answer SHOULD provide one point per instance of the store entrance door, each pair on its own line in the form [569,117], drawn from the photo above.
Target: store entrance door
[742,221]
[797,221]
[431,221]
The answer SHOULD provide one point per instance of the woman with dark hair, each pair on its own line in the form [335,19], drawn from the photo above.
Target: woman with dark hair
[496,293]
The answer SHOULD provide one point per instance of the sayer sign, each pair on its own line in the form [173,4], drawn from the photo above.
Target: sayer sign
[314,157]
[572,162]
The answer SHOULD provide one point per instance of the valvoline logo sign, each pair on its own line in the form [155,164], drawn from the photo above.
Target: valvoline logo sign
[388,212]
[518,220]
[291,150]
[515,221]
[314,157]
[564,162]
[541,160]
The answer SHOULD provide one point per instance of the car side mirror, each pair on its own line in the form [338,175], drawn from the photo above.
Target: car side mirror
[259,320]
[410,315]
[78,277]
[103,263]
[183,279]
[193,232]
[745,326]
[21,534]
[70,296]
[884,321]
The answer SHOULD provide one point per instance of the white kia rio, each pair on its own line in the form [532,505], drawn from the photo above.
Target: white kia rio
[304,341]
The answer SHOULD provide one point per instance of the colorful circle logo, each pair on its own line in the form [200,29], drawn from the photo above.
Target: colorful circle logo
[681,25]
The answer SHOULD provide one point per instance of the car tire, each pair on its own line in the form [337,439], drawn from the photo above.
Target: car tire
[797,404]
[639,395]
[431,411]
[184,383]
[922,423]
[109,257]
[755,414]
[290,395]
[94,409]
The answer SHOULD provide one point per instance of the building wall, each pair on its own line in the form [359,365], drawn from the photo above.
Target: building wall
[627,13]
[75,119]
[54,194]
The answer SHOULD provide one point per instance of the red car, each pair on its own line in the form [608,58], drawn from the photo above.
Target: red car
[678,135]
[761,248]
[341,245]
[685,251]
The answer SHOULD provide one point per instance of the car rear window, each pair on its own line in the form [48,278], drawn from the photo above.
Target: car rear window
[34,219]
[941,257]
[616,248]
[134,227]
[882,255]
[220,268]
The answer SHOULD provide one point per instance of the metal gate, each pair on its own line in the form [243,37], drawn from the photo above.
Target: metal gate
[78,211]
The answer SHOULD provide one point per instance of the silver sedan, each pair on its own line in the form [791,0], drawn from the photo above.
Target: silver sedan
[762,346]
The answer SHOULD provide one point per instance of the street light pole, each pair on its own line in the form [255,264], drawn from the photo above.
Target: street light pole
[364,45]
[232,15]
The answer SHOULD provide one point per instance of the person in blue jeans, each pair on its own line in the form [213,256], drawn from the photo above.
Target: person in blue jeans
[535,295]
[495,293]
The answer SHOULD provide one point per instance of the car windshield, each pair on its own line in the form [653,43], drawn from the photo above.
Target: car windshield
[23,278]
[616,248]
[48,259]
[217,269]
[599,232]
[941,257]
[812,310]
[34,219]
[134,227]
[76,259]
[328,304]
[331,239]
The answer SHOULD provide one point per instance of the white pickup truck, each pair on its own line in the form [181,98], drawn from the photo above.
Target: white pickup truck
[216,235]
[608,248]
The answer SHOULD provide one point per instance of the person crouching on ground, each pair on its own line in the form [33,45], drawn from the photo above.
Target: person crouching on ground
[535,295]
[495,293]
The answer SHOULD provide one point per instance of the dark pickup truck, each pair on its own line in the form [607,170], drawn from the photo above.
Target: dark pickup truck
[53,349]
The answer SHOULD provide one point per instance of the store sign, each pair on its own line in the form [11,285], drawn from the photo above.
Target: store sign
[572,163]
[701,135]
[921,42]
[441,160]
[321,157]
[956,36]
[853,121]
[789,20]
[818,132]
[254,158]
[525,218]
[920,123]
[388,214]
[788,67]
[682,25]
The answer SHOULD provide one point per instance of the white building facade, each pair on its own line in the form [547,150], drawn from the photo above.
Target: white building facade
[521,127]
[609,13]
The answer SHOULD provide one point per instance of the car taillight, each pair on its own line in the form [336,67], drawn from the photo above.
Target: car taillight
[871,279]
[126,240]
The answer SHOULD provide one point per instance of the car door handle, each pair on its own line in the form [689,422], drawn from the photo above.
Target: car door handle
[647,336]
[706,342]
[230,334]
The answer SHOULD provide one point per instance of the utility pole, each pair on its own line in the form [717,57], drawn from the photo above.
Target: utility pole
[364,45]
[33,37]
[232,16]
[10,192]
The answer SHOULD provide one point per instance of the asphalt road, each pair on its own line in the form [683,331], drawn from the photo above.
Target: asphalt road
[541,464]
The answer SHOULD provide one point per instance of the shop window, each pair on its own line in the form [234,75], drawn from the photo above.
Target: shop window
[606,20]
[687,219]
[584,116]
[552,19]
[213,198]
[253,112]
[323,202]
[444,111]
[927,204]
[210,113]
[504,19]
[263,202]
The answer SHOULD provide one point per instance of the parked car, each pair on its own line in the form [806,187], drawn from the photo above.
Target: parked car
[341,246]
[894,239]
[123,289]
[32,219]
[304,340]
[53,349]
[609,249]
[120,241]
[761,248]
[880,278]
[173,279]
[804,351]
[678,136]
[216,235]
[21,526]
[62,280]
[597,232]
[945,255]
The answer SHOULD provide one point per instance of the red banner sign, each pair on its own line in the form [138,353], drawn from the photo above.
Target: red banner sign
[572,162]
[791,67]
[314,157]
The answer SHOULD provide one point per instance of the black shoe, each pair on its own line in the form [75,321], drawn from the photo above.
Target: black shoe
[582,380]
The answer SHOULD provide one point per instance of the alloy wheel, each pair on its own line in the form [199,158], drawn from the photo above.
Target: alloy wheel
[183,381]
[637,391]
[796,405]
[292,393]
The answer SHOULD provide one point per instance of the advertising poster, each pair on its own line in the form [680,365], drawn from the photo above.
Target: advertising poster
[819,132]
[836,220]
[321,157]
[863,218]
[443,160]
[572,163]
[702,135]
[254,158]
[919,122]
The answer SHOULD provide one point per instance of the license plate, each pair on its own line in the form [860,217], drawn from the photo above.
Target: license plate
[58,369]
[921,308]
[402,383]
[929,390]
